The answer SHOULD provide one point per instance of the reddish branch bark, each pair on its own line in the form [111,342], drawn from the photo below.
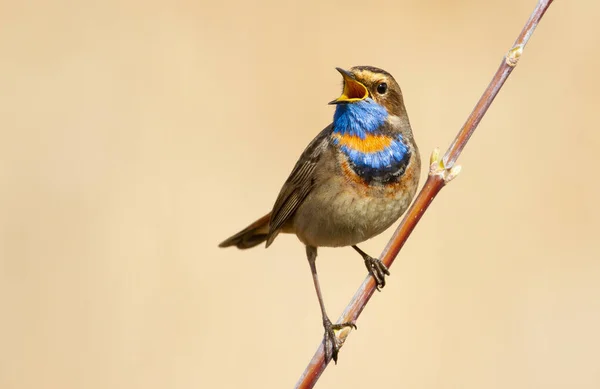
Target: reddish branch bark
[442,170]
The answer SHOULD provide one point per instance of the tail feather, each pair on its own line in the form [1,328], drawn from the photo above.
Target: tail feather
[253,235]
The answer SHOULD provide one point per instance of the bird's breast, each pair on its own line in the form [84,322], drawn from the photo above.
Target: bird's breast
[373,159]
[365,185]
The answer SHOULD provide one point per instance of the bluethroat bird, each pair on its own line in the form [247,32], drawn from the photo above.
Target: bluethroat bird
[353,181]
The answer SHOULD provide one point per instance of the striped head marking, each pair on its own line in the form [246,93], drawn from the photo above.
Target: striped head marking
[367,82]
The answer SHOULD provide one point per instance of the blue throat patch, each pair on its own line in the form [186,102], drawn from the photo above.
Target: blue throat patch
[359,118]
[366,118]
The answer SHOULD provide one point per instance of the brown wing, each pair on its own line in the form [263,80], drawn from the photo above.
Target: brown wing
[299,183]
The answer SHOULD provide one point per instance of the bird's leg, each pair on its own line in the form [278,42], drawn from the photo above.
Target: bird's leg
[375,267]
[330,340]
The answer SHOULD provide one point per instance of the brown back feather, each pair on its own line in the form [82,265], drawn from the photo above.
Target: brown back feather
[299,183]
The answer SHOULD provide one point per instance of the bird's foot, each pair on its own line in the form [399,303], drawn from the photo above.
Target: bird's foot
[377,269]
[332,346]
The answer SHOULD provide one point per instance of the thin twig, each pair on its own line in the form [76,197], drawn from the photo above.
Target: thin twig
[441,171]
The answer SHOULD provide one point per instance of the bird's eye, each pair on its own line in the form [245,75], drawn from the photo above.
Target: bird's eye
[382,88]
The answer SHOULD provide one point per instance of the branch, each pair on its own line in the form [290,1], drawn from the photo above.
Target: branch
[441,171]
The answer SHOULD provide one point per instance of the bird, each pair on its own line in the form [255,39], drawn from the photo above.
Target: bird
[353,181]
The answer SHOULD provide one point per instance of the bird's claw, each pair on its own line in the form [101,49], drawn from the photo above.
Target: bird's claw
[378,270]
[332,347]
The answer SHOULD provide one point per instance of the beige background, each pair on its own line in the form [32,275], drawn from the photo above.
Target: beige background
[135,136]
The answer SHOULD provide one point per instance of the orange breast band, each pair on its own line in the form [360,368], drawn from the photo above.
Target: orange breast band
[371,143]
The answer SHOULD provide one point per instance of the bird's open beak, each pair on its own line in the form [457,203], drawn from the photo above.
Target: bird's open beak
[353,90]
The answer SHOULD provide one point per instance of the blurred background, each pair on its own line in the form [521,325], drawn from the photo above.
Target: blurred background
[135,136]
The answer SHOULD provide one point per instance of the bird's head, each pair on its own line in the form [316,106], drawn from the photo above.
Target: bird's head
[366,82]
